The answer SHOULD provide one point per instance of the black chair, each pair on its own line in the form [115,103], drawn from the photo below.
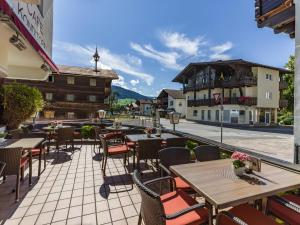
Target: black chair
[172,208]
[176,142]
[207,153]
[148,149]
[175,156]
[65,136]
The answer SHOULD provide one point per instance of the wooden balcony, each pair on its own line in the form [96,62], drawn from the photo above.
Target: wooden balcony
[283,103]
[248,101]
[283,85]
[276,14]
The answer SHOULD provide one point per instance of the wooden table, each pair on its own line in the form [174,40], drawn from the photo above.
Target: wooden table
[137,137]
[221,188]
[26,144]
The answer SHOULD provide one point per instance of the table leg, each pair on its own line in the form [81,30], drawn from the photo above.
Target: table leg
[40,162]
[30,167]
[210,212]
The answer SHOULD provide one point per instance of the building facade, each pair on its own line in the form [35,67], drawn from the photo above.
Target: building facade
[173,100]
[26,39]
[145,106]
[250,93]
[74,93]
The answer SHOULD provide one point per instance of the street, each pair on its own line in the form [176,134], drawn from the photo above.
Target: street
[277,145]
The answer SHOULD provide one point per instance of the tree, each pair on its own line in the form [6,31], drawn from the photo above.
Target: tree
[113,101]
[289,78]
[19,102]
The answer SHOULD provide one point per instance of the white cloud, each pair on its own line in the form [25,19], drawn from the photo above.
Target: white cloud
[120,82]
[219,51]
[134,82]
[82,55]
[180,41]
[167,59]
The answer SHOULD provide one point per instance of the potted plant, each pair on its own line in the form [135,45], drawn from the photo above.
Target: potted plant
[2,136]
[148,131]
[239,162]
[86,131]
[191,145]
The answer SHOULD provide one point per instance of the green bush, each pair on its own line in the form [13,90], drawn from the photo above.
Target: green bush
[19,103]
[191,145]
[86,131]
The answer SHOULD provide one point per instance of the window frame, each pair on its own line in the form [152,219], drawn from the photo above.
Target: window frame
[93,82]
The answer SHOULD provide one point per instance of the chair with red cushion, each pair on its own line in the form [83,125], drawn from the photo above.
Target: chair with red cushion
[112,150]
[175,156]
[15,165]
[244,215]
[173,208]
[39,151]
[286,208]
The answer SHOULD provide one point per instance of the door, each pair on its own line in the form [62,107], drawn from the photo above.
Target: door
[267,117]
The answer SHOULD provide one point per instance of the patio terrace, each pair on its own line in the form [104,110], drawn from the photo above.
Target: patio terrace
[72,190]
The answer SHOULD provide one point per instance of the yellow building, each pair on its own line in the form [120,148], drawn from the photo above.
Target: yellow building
[250,93]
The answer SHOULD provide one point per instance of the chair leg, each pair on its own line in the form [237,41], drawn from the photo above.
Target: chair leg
[22,173]
[4,178]
[40,162]
[18,186]
[104,167]
[140,219]
[45,160]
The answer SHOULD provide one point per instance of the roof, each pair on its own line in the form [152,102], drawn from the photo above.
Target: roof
[87,71]
[176,94]
[178,78]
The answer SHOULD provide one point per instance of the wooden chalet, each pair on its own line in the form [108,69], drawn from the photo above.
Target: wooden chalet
[74,93]
[276,14]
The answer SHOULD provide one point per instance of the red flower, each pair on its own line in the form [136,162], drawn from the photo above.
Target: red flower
[240,156]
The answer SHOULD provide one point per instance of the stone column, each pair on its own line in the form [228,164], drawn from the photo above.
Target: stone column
[297,85]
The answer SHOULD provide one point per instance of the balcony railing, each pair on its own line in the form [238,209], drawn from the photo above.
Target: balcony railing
[283,85]
[248,101]
[283,103]
[265,6]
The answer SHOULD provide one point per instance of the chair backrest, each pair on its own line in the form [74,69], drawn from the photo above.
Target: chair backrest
[207,153]
[174,156]
[96,132]
[15,134]
[148,149]
[12,158]
[176,142]
[151,207]
[2,165]
[65,134]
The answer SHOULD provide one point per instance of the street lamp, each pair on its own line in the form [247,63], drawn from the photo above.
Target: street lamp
[96,59]
[174,118]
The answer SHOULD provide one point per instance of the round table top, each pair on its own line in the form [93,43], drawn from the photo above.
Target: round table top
[117,128]
[49,128]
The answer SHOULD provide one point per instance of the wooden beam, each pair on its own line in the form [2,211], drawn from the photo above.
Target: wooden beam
[286,28]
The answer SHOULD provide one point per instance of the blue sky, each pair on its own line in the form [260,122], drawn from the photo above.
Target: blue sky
[149,42]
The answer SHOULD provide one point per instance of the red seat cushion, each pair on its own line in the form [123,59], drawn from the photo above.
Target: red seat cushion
[36,151]
[179,200]
[131,144]
[77,134]
[24,161]
[181,184]
[249,215]
[284,213]
[119,149]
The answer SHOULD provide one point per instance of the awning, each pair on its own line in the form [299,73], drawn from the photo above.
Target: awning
[23,30]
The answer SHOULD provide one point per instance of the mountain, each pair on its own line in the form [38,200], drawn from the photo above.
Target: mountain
[125,93]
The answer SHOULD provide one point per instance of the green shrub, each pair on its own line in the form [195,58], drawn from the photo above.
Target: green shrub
[86,131]
[19,103]
[287,121]
[191,145]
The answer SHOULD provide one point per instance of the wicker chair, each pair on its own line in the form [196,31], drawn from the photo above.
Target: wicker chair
[176,142]
[286,207]
[65,136]
[175,207]
[207,153]
[112,150]
[148,149]
[175,156]
[2,166]
[15,165]
[244,215]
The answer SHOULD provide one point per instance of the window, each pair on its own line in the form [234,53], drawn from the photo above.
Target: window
[71,115]
[202,114]
[195,113]
[49,96]
[268,95]
[49,114]
[70,97]
[204,96]
[234,95]
[171,103]
[208,114]
[92,98]
[51,78]
[70,80]
[250,116]
[93,82]
[180,104]
[269,76]
[217,115]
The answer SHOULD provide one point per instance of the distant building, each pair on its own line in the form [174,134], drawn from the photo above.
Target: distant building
[75,92]
[145,107]
[172,100]
[252,93]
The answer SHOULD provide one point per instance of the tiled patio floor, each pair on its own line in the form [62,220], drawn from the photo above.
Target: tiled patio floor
[73,191]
